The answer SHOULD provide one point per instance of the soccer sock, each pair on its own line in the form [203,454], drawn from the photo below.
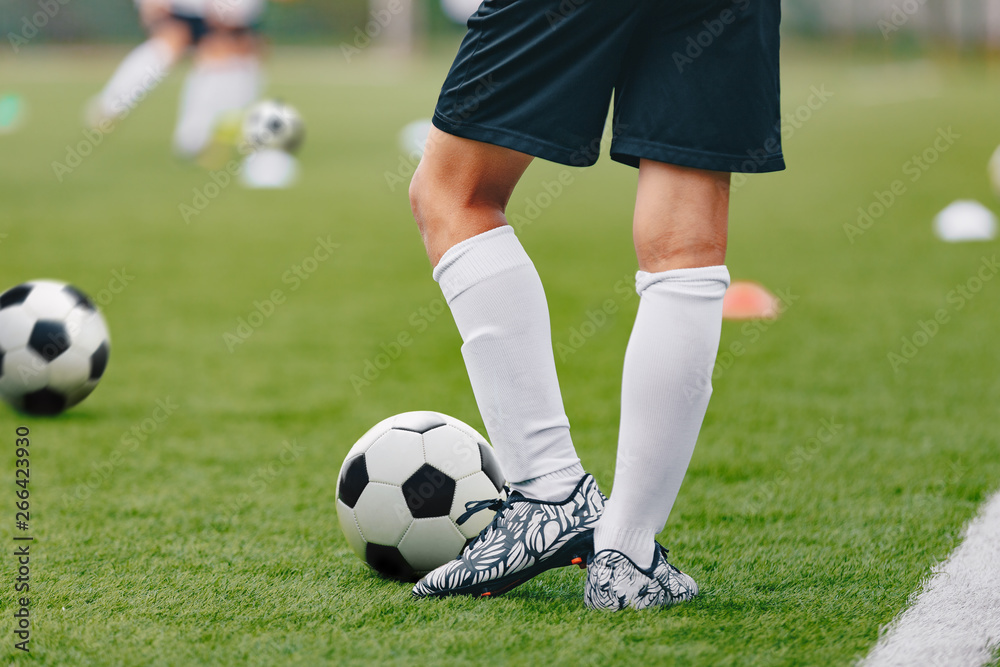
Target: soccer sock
[140,72]
[498,303]
[666,385]
[211,89]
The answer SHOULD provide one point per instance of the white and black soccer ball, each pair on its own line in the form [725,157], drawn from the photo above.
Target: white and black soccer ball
[405,484]
[54,347]
[273,124]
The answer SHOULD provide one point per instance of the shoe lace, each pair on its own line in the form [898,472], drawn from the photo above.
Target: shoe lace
[497,505]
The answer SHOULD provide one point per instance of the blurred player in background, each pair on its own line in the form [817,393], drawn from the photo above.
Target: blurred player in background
[225,78]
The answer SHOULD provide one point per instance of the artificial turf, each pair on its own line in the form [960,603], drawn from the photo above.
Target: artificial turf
[825,486]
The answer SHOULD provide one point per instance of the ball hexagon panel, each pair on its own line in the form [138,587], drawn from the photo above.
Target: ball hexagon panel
[49,301]
[69,371]
[14,296]
[491,466]
[87,329]
[430,543]
[15,327]
[350,527]
[428,492]
[1,363]
[394,457]
[387,561]
[49,339]
[23,371]
[353,480]
[451,451]
[472,488]
[382,513]
[44,402]
[420,421]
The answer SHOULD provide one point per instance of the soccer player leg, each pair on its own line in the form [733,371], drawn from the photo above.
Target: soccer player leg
[679,228]
[458,196]
[226,78]
[141,70]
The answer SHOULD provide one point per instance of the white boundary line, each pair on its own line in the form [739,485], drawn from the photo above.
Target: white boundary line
[955,620]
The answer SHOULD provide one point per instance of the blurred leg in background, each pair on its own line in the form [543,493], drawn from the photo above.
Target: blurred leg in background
[145,67]
[224,80]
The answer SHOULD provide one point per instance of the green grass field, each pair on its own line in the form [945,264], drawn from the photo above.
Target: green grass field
[825,486]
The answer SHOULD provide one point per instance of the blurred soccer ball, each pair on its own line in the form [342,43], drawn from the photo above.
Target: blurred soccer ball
[994,170]
[405,484]
[54,347]
[273,124]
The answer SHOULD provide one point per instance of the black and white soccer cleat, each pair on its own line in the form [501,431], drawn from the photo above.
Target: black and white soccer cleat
[614,582]
[526,538]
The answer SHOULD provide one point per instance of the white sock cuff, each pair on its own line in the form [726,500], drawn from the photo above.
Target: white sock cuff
[707,282]
[574,472]
[636,543]
[476,259]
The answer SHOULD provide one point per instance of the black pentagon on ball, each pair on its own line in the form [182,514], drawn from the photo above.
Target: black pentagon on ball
[81,299]
[388,562]
[14,296]
[429,492]
[353,480]
[44,402]
[49,339]
[490,466]
[99,361]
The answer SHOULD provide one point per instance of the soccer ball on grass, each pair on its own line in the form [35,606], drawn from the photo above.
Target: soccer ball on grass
[273,124]
[54,347]
[404,486]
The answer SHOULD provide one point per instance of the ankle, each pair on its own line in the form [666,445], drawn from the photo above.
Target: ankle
[552,487]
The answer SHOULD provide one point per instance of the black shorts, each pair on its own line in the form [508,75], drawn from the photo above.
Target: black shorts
[695,82]
[199,27]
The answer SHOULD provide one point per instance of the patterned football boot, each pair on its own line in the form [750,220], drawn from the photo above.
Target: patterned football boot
[527,537]
[614,582]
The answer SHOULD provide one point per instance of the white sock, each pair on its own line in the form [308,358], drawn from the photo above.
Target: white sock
[498,303]
[141,71]
[666,385]
[210,90]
